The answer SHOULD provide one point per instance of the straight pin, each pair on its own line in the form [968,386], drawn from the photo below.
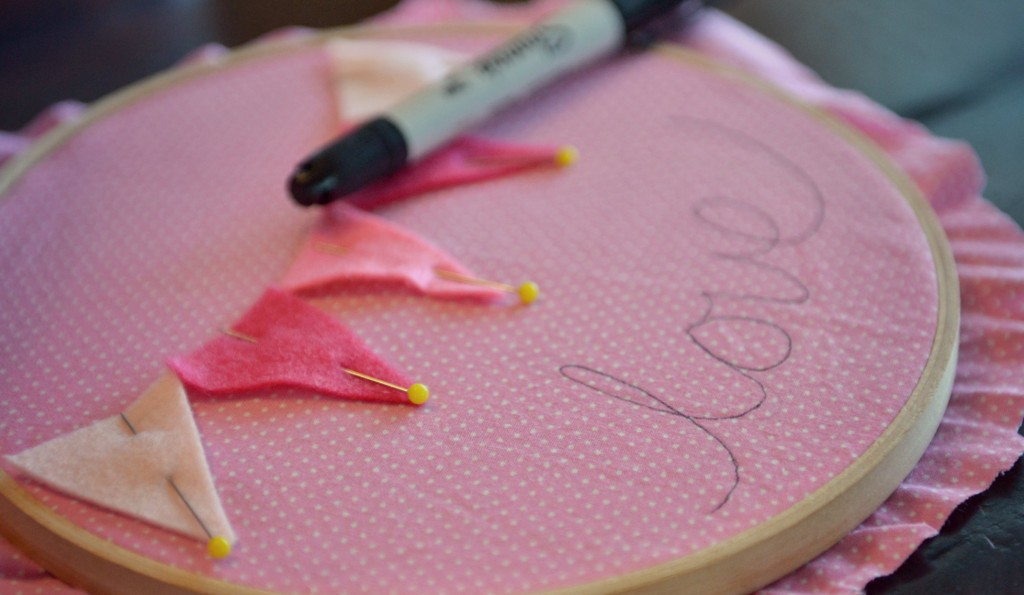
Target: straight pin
[128,423]
[238,335]
[218,546]
[527,292]
[188,505]
[417,393]
[564,156]
[331,248]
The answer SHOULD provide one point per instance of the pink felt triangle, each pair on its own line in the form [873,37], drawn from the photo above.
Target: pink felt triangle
[466,160]
[132,464]
[349,248]
[283,342]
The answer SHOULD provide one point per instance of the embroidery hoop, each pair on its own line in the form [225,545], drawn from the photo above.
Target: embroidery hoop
[740,563]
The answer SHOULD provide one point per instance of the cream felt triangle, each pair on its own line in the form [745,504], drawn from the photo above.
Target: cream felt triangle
[136,463]
[372,75]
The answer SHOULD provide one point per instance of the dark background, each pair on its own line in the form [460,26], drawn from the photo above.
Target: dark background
[53,50]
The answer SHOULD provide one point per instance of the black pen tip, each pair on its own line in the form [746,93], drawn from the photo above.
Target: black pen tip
[365,155]
[312,183]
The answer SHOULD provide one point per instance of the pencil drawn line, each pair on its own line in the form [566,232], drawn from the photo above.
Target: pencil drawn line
[661,407]
[742,138]
[707,319]
[700,209]
[765,236]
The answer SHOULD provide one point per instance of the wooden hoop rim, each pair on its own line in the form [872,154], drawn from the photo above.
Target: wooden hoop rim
[739,564]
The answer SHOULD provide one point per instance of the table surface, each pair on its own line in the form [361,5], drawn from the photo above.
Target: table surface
[93,47]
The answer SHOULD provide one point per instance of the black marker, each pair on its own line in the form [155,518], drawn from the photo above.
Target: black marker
[572,37]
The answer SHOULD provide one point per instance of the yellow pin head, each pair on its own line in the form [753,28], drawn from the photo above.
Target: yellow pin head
[566,156]
[418,394]
[528,292]
[219,547]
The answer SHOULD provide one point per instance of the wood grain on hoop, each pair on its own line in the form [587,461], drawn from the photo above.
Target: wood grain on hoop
[737,564]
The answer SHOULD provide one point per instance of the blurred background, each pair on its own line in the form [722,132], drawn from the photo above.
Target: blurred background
[956,67]
[52,50]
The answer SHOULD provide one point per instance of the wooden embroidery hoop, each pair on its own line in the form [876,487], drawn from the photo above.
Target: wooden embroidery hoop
[738,564]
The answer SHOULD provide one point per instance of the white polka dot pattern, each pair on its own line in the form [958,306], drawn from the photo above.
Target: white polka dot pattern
[735,305]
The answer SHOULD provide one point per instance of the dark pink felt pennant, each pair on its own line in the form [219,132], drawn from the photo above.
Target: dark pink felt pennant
[466,160]
[349,248]
[284,342]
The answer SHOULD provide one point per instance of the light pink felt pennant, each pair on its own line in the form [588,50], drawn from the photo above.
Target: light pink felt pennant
[147,462]
[283,342]
[349,248]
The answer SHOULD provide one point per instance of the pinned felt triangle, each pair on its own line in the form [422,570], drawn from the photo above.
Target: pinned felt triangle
[283,342]
[349,248]
[466,160]
[147,463]
[370,76]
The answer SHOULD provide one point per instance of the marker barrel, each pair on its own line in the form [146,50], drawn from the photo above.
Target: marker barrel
[576,35]
[571,38]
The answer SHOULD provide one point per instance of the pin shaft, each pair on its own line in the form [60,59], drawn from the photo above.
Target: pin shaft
[331,248]
[189,506]
[174,485]
[237,335]
[460,278]
[372,379]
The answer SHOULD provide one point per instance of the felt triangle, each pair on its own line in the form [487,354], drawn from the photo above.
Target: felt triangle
[349,248]
[109,464]
[370,76]
[283,342]
[466,160]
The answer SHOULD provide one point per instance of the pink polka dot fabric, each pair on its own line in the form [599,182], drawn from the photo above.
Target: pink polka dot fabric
[715,339]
